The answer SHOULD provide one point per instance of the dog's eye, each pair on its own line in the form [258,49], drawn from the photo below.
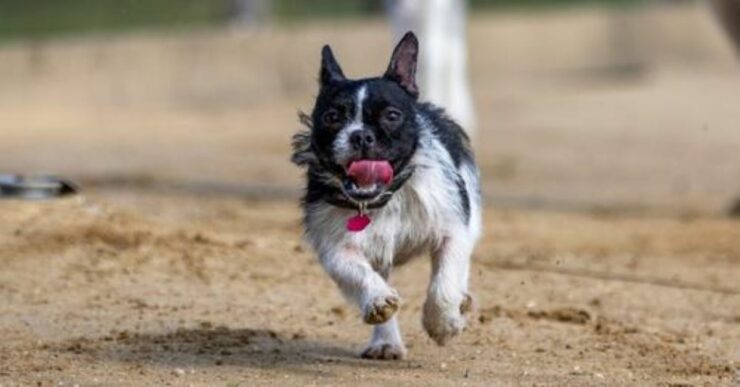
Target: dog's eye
[331,118]
[392,116]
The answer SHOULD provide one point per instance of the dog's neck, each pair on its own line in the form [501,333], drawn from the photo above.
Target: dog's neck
[339,199]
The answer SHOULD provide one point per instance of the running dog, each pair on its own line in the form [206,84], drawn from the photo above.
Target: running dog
[388,178]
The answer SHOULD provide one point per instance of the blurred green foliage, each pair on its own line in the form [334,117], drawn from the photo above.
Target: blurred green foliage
[41,18]
[48,18]
[546,3]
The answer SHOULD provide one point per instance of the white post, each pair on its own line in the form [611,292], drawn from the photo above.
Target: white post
[443,66]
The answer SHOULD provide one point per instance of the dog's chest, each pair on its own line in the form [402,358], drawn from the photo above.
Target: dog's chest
[415,220]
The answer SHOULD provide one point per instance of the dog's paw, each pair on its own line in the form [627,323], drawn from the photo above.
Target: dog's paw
[381,309]
[444,322]
[383,350]
[443,328]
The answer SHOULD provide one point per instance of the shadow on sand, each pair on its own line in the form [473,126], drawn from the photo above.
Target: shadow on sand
[222,346]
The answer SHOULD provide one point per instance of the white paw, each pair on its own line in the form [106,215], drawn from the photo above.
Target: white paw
[381,309]
[443,321]
[384,350]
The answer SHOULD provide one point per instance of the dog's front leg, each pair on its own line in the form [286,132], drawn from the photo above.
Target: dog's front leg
[447,297]
[354,275]
[386,342]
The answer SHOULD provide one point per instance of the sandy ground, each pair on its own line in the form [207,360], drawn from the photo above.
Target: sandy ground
[608,169]
[149,289]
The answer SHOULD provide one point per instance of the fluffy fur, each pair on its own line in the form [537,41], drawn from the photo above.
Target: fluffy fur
[432,205]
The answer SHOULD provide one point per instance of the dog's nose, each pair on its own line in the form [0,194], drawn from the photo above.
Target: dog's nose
[362,139]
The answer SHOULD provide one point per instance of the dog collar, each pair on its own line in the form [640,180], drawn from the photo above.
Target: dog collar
[339,199]
[361,220]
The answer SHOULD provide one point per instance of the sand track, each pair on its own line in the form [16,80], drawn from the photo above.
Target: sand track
[134,288]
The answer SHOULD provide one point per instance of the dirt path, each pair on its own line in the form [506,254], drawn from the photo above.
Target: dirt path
[154,289]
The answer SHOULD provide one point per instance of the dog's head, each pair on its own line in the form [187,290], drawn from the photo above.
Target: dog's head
[363,131]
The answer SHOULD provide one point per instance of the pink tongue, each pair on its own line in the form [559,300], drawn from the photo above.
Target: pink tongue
[367,172]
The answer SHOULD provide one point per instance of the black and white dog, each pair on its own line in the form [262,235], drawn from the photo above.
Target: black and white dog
[389,178]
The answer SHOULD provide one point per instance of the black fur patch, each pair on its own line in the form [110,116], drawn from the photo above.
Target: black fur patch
[464,198]
[449,133]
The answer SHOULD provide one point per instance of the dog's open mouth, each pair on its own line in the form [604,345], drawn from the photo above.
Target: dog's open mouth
[367,179]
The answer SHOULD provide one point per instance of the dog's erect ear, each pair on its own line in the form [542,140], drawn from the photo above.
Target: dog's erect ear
[330,70]
[402,68]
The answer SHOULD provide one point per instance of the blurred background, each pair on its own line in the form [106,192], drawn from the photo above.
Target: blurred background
[620,105]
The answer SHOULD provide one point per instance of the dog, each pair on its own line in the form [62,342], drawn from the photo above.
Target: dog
[387,178]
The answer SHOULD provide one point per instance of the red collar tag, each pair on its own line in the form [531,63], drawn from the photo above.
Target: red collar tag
[358,222]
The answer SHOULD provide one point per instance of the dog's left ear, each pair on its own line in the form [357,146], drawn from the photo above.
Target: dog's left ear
[402,68]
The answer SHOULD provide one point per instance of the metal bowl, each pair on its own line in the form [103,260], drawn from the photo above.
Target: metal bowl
[35,187]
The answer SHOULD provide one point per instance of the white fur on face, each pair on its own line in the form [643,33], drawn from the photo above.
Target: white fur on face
[426,214]
[342,147]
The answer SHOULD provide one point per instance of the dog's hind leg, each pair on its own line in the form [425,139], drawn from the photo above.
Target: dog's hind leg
[447,297]
[354,275]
